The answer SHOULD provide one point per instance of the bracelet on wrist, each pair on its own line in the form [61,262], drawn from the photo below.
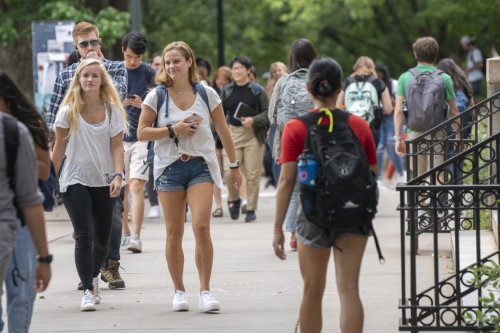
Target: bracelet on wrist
[278,231]
[397,138]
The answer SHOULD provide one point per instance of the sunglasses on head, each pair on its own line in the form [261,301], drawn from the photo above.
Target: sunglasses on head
[85,44]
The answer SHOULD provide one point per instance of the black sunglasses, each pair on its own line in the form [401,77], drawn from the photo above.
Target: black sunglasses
[85,44]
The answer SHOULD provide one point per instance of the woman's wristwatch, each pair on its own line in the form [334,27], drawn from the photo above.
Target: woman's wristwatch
[234,165]
[118,174]
[44,260]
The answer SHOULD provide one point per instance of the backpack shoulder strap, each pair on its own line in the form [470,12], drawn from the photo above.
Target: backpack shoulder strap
[415,71]
[162,94]
[200,89]
[11,142]
[228,89]
[255,88]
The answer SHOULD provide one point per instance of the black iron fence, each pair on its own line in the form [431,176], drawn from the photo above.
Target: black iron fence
[457,192]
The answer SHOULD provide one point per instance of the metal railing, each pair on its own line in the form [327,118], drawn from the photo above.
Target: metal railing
[456,192]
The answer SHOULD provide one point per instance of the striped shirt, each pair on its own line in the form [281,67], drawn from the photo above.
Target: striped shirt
[116,69]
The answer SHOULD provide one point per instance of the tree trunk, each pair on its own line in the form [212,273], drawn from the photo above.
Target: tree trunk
[10,60]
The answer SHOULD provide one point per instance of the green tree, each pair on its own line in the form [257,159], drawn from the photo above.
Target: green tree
[15,29]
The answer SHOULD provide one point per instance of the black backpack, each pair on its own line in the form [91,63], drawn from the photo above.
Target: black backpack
[345,191]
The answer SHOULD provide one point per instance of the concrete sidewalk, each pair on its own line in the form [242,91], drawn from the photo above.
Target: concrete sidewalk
[257,291]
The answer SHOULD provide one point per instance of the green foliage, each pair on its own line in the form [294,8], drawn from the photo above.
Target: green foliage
[487,275]
[15,20]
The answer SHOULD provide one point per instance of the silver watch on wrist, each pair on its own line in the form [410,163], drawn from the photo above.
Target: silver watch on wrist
[234,165]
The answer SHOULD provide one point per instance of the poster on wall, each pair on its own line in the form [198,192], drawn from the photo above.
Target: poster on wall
[52,44]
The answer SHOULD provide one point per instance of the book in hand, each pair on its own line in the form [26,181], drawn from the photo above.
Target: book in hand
[244,110]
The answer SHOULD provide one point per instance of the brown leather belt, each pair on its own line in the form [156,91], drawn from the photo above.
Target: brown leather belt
[187,158]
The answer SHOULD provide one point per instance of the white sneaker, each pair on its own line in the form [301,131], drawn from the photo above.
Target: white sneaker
[208,302]
[88,301]
[97,292]
[154,212]
[401,178]
[180,303]
[125,241]
[134,244]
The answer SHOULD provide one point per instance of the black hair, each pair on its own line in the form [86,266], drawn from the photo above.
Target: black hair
[387,76]
[135,41]
[253,70]
[73,58]
[301,55]
[242,59]
[324,77]
[202,62]
[23,110]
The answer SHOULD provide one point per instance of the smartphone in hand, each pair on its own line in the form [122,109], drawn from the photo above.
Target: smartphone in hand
[194,120]
[130,96]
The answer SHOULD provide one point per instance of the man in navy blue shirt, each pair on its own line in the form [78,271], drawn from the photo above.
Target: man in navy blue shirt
[140,79]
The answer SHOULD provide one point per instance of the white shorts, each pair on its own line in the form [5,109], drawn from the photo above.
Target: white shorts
[135,154]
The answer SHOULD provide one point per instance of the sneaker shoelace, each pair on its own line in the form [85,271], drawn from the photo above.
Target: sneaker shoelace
[207,297]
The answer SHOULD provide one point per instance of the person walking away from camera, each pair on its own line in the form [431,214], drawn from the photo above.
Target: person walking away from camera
[20,271]
[365,95]
[276,71]
[221,77]
[315,244]
[464,96]
[91,175]
[186,167]
[386,133]
[88,44]
[248,134]
[140,80]
[475,64]
[425,51]
[289,100]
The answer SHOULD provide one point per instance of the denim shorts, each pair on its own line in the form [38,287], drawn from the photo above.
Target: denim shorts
[311,235]
[180,175]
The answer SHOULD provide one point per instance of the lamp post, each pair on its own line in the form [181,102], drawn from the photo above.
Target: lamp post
[135,9]
[220,32]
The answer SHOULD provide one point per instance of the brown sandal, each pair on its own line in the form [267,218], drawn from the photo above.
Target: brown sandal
[218,213]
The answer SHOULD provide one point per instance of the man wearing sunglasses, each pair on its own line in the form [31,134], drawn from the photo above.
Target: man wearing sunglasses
[88,45]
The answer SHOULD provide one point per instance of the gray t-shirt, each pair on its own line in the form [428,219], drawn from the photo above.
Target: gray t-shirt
[88,152]
[26,185]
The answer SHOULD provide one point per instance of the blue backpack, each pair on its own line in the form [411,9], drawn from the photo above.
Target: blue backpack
[162,93]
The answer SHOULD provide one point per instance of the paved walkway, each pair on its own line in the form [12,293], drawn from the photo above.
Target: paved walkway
[257,291]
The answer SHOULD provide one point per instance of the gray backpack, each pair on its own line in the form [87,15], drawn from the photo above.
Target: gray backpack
[293,101]
[294,98]
[425,98]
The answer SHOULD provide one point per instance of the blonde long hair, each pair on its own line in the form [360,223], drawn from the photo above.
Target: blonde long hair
[364,66]
[271,81]
[107,92]
[162,76]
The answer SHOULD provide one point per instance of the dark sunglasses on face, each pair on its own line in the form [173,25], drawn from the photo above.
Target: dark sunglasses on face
[85,44]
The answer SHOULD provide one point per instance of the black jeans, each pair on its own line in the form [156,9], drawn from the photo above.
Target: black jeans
[90,210]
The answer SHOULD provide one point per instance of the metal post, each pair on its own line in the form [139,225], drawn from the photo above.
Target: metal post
[135,10]
[220,32]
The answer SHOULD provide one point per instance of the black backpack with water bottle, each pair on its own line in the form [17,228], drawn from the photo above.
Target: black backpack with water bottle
[338,190]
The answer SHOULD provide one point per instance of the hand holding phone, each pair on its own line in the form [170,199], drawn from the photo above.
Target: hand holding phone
[130,96]
[194,120]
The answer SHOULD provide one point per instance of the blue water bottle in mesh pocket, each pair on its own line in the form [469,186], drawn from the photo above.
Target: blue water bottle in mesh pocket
[306,169]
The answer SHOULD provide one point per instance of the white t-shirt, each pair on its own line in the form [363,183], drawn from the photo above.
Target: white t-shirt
[88,152]
[201,144]
[473,57]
